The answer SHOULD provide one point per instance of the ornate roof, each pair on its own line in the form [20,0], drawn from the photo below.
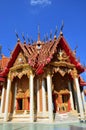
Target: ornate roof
[40,53]
[41,57]
[3,63]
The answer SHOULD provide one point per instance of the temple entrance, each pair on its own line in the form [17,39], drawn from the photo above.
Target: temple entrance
[22,104]
[22,95]
[61,102]
[61,94]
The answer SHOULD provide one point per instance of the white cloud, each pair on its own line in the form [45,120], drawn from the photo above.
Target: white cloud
[40,2]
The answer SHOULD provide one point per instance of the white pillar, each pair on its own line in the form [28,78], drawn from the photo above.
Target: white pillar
[38,100]
[31,98]
[71,96]
[50,106]
[2,98]
[15,91]
[7,99]
[83,99]
[43,96]
[79,98]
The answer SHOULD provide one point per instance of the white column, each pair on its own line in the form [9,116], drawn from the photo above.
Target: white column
[2,98]
[71,96]
[83,99]
[38,100]
[50,106]
[7,99]
[31,98]
[79,98]
[15,91]
[43,96]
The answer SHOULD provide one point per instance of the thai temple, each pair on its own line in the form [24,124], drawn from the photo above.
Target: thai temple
[42,82]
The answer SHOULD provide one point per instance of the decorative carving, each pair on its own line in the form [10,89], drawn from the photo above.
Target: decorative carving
[19,71]
[20,90]
[74,73]
[63,64]
[9,75]
[27,93]
[21,93]
[61,56]
[62,71]
[20,59]
[65,91]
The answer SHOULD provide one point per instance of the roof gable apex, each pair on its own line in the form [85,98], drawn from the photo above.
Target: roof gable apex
[19,47]
[71,54]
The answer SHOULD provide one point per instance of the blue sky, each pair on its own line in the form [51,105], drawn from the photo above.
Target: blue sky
[24,16]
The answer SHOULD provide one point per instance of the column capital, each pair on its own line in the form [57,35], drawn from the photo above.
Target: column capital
[9,75]
[31,74]
[48,72]
[74,73]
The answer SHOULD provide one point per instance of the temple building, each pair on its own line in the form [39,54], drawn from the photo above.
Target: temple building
[41,81]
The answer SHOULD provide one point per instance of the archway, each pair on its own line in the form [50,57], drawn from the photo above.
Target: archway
[20,97]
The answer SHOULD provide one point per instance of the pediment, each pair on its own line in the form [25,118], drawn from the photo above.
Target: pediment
[21,59]
[63,55]
[60,56]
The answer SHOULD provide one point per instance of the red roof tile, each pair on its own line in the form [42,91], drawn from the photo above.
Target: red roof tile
[40,54]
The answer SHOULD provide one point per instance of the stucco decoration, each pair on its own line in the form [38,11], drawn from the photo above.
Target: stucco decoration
[19,71]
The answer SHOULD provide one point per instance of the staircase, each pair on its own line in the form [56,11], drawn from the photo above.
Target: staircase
[20,118]
[66,118]
[1,117]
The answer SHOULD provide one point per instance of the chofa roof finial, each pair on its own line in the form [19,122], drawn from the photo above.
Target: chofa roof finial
[50,35]
[17,36]
[23,38]
[38,33]
[28,39]
[55,32]
[61,33]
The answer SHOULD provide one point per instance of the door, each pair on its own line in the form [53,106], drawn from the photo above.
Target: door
[20,104]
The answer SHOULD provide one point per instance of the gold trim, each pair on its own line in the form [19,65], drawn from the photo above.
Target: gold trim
[74,73]
[9,75]
[19,67]
[62,63]
[19,71]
